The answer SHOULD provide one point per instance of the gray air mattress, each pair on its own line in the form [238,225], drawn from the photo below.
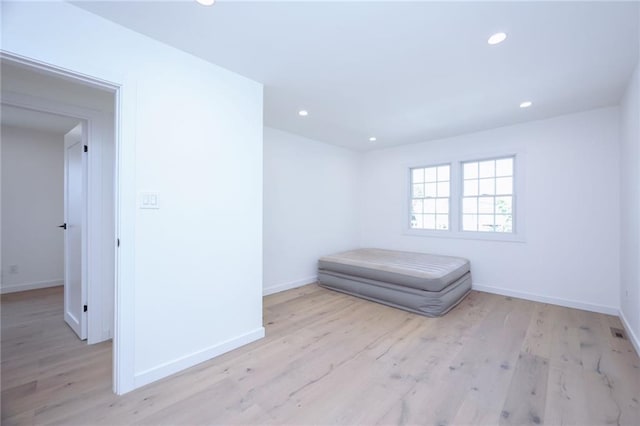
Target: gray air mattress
[416,270]
[425,284]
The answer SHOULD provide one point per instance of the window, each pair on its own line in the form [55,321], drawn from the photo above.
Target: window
[430,188]
[487,195]
[475,198]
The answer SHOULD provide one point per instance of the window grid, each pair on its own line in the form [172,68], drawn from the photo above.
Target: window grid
[430,197]
[487,195]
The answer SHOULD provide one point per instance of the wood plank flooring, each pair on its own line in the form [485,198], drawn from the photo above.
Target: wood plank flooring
[330,358]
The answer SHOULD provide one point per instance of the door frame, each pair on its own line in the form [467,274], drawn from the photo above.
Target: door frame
[124,195]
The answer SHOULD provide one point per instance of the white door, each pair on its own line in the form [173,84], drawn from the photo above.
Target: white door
[75,286]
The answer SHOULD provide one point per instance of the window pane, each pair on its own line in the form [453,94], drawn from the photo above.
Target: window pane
[429,221]
[487,186]
[430,174]
[487,168]
[470,170]
[442,205]
[418,190]
[430,189]
[416,221]
[443,189]
[503,205]
[485,205]
[442,221]
[504,223]
[443,173]
[485,223]
[471,187]
[429,205]
[469,205]
[504,167]
[417,175]
[469,222]
[416,206]
[504,185]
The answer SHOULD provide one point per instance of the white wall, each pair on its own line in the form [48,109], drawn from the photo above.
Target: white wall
[190,272]
[32,203]
[571,251]
[630,208]
[310,206]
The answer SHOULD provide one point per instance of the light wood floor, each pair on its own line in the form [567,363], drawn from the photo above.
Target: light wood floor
[329,358]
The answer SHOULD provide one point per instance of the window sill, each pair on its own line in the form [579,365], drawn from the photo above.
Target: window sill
[467,235]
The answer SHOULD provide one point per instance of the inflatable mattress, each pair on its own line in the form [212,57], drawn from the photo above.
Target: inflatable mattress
[422,283]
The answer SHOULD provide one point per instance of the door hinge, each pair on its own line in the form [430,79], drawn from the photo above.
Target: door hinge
[86,148]
[117,242]
[85,308]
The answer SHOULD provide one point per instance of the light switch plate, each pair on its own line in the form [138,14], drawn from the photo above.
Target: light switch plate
[149,200]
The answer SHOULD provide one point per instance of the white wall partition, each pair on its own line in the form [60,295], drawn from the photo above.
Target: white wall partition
[190,272]
[570,251]
[310,206]
[32,196]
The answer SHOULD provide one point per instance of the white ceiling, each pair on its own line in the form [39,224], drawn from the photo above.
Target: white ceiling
[41,121]
[404,71]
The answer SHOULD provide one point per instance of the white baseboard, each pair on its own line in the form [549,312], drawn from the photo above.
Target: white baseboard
[602,309]
[287,286]
[172,367]
[635,341]
[14,288]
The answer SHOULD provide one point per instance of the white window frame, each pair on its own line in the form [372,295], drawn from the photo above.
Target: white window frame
[455,198]
[436,198]
[513,195]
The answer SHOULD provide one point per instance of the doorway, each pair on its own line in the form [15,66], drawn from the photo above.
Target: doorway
[44,94]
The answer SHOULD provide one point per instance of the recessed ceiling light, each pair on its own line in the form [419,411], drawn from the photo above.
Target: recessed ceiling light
[497,38]
[206,2]
[526,104]
[303,113]
[373,139]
